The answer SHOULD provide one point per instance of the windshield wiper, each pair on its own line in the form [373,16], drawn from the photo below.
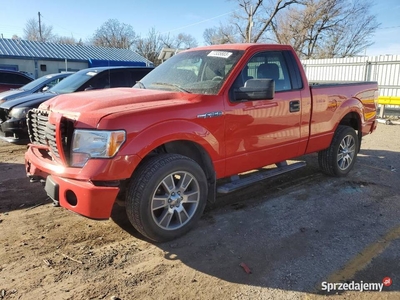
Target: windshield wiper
[51,92]
[140,85]
[181,89]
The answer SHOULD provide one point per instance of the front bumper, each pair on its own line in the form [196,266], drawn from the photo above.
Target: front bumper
[82,197]
[14,131]
[89,191]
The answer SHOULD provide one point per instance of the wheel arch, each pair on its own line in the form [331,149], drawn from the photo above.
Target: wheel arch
[194,151]
[351,119]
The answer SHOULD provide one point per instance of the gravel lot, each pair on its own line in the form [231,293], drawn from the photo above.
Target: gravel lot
[293,233]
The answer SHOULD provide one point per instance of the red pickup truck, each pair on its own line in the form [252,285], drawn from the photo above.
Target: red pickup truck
[204,114]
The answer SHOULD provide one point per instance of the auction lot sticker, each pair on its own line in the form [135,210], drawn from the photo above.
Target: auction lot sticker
[222,54]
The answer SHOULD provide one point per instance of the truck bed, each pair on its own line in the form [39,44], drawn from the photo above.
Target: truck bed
[330,102]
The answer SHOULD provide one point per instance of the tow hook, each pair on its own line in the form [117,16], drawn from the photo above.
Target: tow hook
[55,203]
[35,179]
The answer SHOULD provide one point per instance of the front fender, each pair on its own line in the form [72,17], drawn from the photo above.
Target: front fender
[144,142]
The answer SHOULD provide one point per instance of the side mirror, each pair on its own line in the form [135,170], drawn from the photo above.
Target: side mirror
[45,88]
[256,89]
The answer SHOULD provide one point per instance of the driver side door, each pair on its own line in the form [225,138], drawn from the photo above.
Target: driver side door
[265,131]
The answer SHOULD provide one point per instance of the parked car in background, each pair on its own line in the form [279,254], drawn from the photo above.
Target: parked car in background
[13,112]
[41,84]
[10,79]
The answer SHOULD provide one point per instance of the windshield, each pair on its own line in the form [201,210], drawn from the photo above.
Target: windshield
[34,84]
[72,83]
[200,72]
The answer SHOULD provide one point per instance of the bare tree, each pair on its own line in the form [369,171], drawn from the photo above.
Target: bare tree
[114,34]
[258,16]
[150,46]
[65,40]
[225,34]
[251,24]
[352,35]
[326,28]
[32,31]
[184,40]
[180,41]
[303,27]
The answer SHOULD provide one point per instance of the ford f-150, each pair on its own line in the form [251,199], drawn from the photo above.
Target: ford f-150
[205,114]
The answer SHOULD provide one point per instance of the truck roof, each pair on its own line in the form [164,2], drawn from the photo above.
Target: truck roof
[242,46]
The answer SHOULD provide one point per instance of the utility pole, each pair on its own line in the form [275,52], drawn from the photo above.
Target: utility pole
[250,25]
[40,28]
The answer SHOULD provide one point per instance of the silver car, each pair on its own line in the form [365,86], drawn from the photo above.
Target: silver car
[41,84]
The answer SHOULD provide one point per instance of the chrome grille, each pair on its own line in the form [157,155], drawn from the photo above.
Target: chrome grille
[42,132]
[37,121]
[50,133]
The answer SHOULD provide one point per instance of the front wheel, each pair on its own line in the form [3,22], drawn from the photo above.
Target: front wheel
[166,197]
[341,155]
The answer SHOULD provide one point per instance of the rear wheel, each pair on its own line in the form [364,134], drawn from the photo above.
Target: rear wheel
[166,196]
[339,158]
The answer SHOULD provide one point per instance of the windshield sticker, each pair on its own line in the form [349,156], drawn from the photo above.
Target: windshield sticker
[222,54]
[91,74]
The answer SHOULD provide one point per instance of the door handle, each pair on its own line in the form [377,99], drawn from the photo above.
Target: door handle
[294,105]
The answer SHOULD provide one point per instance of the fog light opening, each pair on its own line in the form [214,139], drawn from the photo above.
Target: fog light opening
[71,198]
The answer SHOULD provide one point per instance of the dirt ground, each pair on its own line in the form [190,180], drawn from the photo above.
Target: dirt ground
[292,232]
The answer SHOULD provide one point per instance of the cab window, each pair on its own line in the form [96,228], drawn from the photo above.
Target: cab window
[269,64]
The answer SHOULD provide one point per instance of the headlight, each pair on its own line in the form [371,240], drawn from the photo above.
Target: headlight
[88,144]
[19,112]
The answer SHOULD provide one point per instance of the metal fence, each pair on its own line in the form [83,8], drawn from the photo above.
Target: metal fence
[385,69]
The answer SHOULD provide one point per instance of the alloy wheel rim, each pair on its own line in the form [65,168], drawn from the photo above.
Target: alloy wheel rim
[175,200]
[346,152]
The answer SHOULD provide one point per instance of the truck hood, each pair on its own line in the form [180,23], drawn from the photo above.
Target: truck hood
[32,100]
[94,105]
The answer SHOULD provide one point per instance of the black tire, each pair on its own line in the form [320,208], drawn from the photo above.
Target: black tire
[339,158]
[164,213]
